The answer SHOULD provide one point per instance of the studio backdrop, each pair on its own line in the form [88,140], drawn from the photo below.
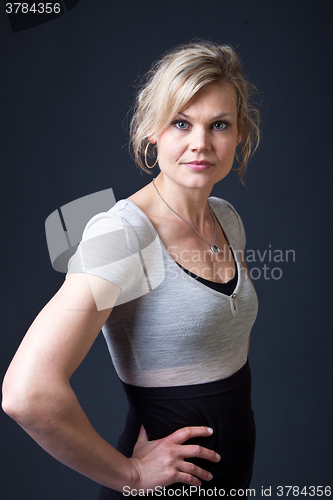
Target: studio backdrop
[67,85]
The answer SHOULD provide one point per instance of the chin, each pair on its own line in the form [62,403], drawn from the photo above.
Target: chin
[205,179]
[199,181]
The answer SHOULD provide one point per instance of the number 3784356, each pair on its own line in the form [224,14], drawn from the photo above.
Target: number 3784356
[311,491]
[35,8]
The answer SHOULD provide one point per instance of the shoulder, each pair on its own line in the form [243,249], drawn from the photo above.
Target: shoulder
[112,244]
[116,234]
[230,221]
[125,222]
[122,214]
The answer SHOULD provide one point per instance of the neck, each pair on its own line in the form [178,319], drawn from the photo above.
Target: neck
[189,203]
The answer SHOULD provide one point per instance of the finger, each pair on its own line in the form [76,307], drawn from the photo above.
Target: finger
[195,471]
[188,479]
[142,439]
[185,433]
[143,435]
[194,450]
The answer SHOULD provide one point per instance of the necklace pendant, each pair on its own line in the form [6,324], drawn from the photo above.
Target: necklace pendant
[214,248]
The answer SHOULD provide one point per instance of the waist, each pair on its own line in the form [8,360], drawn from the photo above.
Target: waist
[189,391]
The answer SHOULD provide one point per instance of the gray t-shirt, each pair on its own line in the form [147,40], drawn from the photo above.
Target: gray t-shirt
[167,328]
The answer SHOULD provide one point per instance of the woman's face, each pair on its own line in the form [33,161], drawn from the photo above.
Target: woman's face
[198,148]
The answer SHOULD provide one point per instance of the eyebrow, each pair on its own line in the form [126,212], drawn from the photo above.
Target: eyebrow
[222,115]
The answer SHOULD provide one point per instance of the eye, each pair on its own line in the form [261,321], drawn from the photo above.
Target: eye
[220,125]
[181,124]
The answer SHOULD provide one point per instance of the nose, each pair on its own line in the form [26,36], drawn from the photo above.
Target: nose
[200,140]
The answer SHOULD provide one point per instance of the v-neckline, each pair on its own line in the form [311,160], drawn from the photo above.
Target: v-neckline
[180,270]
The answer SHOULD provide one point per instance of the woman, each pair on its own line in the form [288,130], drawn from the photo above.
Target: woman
[170,259]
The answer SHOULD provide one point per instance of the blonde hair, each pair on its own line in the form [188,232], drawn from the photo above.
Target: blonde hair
[173,80]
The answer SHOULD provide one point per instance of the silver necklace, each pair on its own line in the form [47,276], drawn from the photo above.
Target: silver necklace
[213,246]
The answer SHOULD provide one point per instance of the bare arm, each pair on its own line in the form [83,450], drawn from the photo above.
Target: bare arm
[38,395]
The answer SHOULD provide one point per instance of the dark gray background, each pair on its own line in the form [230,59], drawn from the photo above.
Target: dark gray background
[66,88]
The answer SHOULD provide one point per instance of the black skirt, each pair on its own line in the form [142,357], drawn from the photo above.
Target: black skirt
[223,405]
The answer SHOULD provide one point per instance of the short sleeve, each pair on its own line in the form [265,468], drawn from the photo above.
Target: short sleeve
[109,249]
[127,255]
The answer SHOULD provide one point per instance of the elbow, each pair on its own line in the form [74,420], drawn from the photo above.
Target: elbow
[22,403]
[14,404]
[29,412]
[12,409]
[34,403]
[33,398]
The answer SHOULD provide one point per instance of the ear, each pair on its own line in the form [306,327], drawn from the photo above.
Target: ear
[152,138]
[239,138]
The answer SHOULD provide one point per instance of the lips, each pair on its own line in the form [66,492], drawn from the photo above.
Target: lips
[199,165]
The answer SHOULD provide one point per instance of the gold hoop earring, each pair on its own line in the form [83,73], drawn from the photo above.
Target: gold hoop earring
[146,152]
[237,169]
